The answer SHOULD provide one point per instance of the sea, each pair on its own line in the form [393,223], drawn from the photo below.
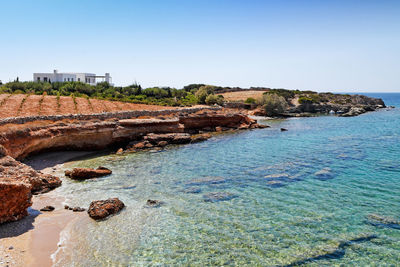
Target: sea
[324,193]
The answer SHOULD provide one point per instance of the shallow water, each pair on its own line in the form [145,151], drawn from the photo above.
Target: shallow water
[253,198]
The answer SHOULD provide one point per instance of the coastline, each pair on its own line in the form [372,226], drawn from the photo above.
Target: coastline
[36,239]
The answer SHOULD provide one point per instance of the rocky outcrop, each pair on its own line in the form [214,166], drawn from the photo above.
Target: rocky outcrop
[354,111]
[101,209]
[96,134]
[211,120]
[17,184]
[87,173]
[15,199]
[13,170]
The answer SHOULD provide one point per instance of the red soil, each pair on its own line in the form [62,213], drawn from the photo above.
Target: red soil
[49,106]
[10,106]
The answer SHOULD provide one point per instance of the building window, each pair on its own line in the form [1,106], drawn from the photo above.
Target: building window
[72,79]
[45,79]
[68,79]
[79,79]
[38,79]
[65,79]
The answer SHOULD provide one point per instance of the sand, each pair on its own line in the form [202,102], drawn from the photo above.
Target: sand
[32,241]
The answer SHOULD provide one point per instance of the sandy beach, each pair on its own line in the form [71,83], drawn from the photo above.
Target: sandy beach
[33,240]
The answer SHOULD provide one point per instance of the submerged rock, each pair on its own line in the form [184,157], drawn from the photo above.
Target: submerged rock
[154,203]
[333,253]
[206,181]
[274,183]
[383,221]
[277,176]
[192,190]
[218,196]
[87,173]
[324,174]
[283,129]
[101,209]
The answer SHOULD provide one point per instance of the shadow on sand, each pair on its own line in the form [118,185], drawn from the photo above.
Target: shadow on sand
[13,229]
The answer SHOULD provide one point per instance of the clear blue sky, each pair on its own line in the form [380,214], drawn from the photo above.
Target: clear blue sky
[319,45]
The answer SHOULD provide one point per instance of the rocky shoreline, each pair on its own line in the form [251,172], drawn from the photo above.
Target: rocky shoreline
[21,137]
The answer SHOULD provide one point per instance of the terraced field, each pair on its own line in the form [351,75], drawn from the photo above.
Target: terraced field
[21,105]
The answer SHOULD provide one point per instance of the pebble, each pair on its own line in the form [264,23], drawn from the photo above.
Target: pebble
[11,247]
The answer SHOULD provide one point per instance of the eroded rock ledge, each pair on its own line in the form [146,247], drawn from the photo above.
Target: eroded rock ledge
[20,137]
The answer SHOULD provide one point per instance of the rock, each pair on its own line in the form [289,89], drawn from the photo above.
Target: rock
[10,247]
[162,143]
[154,203]
[15,200]
[192,190]
[101,209]
[354,111]
[218,129]
[218,196]
[383,221]
[258,112]
[140,145]
[200,137]
[275,183]
[3,151]
[78,209]
[66,207]
[324,174]
[148,145]
[120,151]
[278,176]
[16,171]
[87,173]
[181,139]
[206,181]
[283,129]
[47,208]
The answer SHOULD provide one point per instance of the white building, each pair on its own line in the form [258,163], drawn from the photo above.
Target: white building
[89,78]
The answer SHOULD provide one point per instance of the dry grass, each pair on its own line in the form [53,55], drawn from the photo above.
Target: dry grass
[242,95]
[33,105]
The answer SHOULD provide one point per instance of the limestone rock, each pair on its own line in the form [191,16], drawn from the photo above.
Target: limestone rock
[101,209]
[87,173]
[15,200]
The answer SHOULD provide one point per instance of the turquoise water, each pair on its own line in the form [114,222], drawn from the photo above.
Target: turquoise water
[301,197]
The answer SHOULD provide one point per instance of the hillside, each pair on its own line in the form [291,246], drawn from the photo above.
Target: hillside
[21,105]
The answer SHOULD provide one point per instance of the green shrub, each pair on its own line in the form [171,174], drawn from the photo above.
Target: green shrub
[273,104]
[250,100]
[305,100]
[213,99]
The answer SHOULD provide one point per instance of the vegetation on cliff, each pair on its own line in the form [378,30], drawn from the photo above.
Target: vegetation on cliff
[166,96]
[274,101]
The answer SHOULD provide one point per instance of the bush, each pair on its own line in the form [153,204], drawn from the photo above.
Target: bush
[250,100]
[273,104]
[213,99]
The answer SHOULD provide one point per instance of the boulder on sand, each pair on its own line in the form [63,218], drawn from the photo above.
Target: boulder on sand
[87,173]
[101,209]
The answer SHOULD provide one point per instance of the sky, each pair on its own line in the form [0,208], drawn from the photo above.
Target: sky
[325,45]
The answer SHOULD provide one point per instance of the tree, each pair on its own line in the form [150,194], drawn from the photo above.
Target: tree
[213,99]
[203,92]
[273,104]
